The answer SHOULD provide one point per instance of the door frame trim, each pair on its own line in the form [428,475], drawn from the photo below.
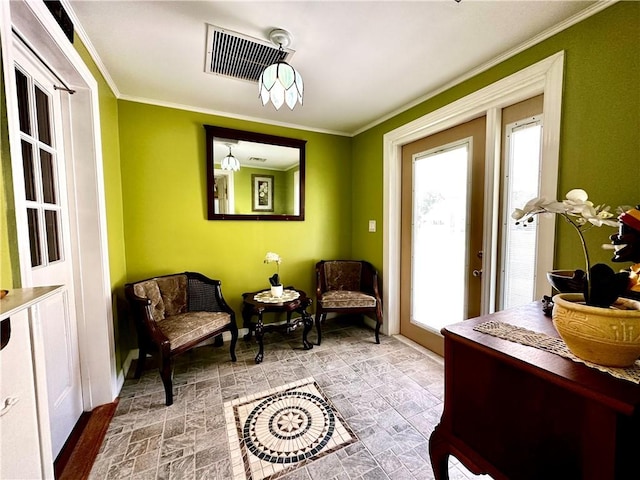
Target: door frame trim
[85,178]
[546,77]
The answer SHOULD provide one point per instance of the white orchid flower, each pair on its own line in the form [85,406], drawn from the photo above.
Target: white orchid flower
[576,209]
[555,207]
[517,214]
[272,257]
[577,195]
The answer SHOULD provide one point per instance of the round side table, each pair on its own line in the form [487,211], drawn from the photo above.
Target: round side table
[258,303]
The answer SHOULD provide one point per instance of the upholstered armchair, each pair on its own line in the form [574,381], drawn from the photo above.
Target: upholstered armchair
[348,287]
[173,314]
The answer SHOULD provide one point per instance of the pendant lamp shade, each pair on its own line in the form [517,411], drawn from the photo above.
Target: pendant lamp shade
[280,83]
[230,162]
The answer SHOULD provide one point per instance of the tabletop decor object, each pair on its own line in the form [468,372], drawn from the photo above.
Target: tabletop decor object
[577,210]
[567,281]
[598,325]
[605,336]
[626,244]
[274,280]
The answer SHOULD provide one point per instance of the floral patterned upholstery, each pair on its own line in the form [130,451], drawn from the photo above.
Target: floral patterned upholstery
[342,275]
[186,327]
[174,313]
[348,287]
[173,289]
[149,289]
[346,299]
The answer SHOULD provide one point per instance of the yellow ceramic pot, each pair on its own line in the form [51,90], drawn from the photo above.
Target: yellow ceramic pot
[606,336]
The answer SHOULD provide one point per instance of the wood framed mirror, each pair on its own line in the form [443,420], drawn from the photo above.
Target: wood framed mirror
[269,184]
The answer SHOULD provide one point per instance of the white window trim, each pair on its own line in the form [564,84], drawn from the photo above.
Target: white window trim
[544,77]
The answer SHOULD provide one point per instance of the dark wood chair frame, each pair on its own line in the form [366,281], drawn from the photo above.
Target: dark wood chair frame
[368,284]
[151,339]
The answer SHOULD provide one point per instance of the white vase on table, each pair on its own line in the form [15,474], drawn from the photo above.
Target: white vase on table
[276,291]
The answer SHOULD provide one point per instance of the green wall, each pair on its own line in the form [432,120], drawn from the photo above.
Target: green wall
[162,154]
[599,143]
[9,259]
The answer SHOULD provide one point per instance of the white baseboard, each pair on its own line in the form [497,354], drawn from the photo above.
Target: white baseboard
[122,374]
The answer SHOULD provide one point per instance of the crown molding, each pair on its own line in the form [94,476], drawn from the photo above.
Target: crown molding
[82,35]
[206,111]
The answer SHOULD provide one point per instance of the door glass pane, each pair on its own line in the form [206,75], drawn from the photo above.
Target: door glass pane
[52,231]
[22,85]
[440,206]
[522,185]
[42,114]
[48,177]
[34,237]
[29,173]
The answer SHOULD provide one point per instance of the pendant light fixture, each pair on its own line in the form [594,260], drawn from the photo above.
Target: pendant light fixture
[230,162]
[280,83]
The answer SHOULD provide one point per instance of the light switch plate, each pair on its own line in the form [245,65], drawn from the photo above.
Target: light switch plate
[372,225]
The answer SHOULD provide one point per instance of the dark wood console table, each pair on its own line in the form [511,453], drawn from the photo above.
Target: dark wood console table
[516,412]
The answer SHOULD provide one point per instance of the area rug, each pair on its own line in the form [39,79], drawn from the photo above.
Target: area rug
[279,430]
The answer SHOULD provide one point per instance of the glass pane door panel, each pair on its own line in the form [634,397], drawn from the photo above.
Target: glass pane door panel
[519,261]
[52,231]
[42,114]
[34,237]
[440,224]
[29,173]
[22,87]
[48,177]
[40,171]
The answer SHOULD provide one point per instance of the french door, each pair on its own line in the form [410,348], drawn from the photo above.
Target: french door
[521,162]
[442,222]
[45,208]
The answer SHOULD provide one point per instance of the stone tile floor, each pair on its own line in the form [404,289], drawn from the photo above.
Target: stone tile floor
[390,395]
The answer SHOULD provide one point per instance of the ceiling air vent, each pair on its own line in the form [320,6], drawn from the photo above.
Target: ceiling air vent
[235,55]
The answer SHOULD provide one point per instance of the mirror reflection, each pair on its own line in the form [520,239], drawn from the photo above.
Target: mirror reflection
[254,176]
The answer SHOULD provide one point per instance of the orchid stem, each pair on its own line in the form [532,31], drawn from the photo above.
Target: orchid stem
[586,255]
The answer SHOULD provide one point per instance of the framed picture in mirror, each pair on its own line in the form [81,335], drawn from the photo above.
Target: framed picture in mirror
[262,193]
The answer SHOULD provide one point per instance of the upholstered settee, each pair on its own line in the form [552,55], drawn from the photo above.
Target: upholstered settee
[348,287]
[174,313]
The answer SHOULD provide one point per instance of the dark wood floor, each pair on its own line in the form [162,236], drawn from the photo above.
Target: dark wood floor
[77,456]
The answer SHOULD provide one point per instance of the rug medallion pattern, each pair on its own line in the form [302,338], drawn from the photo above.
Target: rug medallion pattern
[281,429]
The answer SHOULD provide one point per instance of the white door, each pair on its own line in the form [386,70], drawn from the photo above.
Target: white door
[44,200]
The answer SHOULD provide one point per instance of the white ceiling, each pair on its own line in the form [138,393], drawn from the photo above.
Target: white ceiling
[361,61]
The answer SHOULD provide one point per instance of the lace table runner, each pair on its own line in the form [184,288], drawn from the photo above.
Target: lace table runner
[547,343]
[266,297]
